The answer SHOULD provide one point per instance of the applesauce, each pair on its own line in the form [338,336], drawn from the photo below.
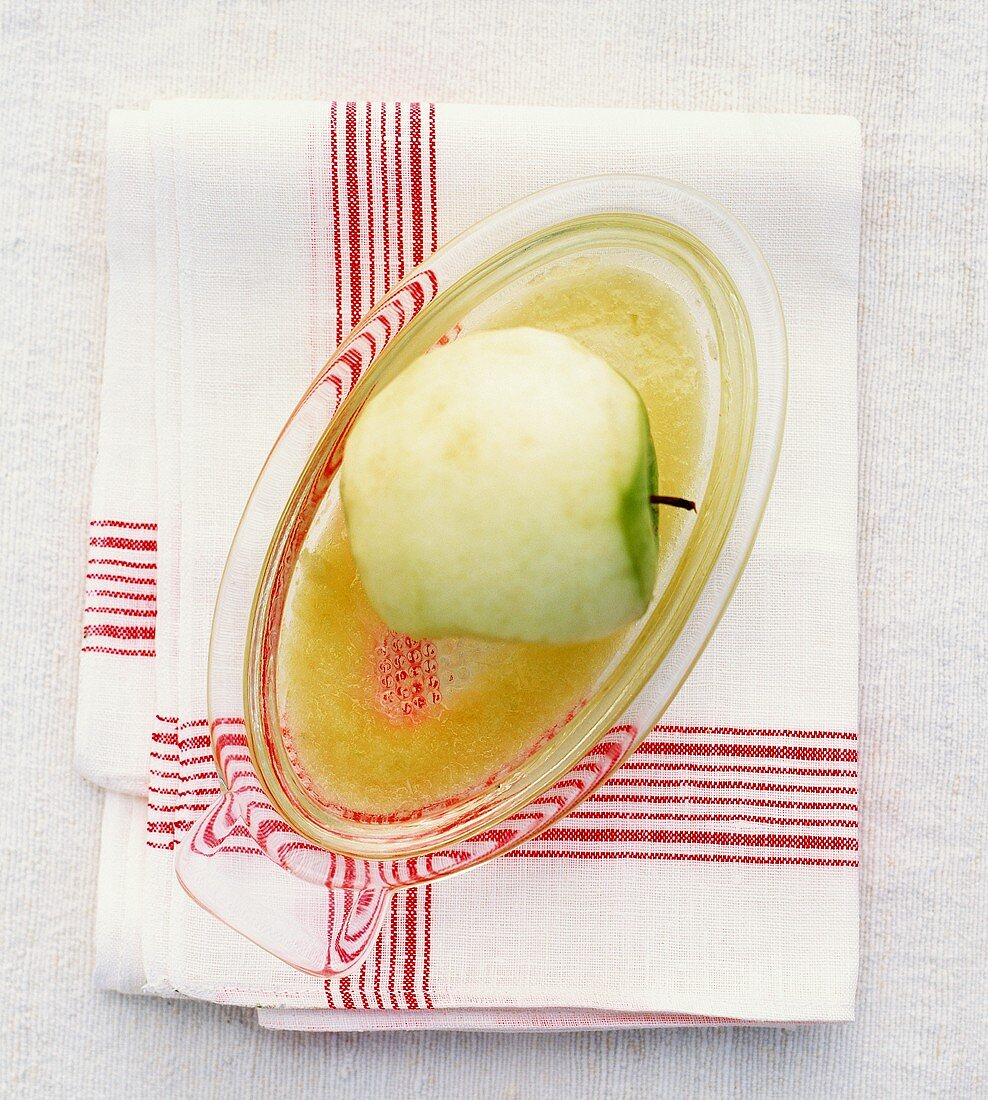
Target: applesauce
[384,726]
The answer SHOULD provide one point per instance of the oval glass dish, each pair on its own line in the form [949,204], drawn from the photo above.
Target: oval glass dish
[317,901]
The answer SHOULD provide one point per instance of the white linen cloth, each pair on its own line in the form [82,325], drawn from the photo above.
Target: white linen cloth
[232,309]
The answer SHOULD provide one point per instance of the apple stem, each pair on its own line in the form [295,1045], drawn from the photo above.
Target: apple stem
[674,502]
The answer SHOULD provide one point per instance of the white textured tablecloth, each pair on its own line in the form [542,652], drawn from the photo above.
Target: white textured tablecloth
[915,74]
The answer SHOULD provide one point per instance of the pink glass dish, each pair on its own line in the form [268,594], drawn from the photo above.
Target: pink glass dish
[318,899]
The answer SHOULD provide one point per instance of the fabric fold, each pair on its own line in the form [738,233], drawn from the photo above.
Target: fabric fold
[117,669]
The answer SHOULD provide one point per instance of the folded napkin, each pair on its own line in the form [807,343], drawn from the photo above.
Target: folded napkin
[714,878]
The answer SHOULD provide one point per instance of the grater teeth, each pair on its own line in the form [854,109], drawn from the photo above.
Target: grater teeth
[407,680]
[417,678]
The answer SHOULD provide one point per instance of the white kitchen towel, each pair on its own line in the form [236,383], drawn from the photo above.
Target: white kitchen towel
[728,846]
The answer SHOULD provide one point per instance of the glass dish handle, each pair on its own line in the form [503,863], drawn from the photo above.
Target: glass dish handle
[320,929]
